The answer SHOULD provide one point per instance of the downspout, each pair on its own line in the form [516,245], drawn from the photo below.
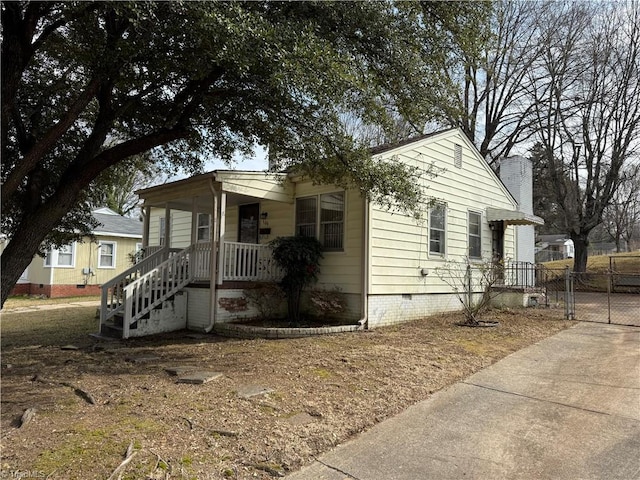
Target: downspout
[214,254]
[363,322]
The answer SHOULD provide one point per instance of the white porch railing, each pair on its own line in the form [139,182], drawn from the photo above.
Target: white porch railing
[248,262]
[163,273]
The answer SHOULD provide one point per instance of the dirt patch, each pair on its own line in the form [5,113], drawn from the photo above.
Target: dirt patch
[318,392]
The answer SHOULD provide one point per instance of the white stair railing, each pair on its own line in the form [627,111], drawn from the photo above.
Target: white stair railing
[112,301]
[151,289]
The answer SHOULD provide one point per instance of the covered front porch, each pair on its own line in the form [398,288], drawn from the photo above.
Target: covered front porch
[224,218]
[207,231]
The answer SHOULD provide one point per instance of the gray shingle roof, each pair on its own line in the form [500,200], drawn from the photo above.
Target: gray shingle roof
[117,225]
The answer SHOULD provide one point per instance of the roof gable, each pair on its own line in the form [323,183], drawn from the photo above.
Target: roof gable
[432,138]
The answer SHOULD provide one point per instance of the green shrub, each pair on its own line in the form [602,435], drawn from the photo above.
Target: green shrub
[299,258]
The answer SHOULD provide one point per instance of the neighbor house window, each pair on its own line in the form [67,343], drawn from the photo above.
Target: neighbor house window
[475,237]
[204,227]
[107,255]
[326,222]
[437,229]
[65,256]
[61,257]
[163,230]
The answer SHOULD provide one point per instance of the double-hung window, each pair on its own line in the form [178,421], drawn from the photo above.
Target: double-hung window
[437,229]
[204,227]
[107,255]
[306,216]
[322,217]
[475,235]
[63,256]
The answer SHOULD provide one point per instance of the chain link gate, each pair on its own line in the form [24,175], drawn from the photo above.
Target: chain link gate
[608,297]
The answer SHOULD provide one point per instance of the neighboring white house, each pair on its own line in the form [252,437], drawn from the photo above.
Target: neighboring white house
[553,247]
[209,235]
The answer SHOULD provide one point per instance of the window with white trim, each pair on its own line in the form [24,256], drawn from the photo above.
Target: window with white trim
[107,255]
[475,235]
[437,229]
[306,215]
[325,223]
[64,256]
[204,227]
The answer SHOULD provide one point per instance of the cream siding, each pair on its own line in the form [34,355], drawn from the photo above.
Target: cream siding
[180,226]
[38,273]
[258,185]
[85,257]
[400,244]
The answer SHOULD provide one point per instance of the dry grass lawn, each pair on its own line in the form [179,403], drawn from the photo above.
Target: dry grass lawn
[324,390]
[624,263]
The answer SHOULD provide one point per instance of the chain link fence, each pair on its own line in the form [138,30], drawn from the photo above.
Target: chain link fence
[609,297]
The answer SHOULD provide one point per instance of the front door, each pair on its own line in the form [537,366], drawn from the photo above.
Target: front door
[497,242]
[249,216]
[497,247]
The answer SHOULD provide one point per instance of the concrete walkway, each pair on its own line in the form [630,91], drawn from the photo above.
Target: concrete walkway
[565,408]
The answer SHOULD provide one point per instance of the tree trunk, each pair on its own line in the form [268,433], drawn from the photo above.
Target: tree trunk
[580,244]
[24,245]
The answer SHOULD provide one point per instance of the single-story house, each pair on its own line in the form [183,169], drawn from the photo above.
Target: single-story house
[206,239]
[554,247]
[81,268]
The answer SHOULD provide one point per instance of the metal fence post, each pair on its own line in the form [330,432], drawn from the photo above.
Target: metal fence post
[609,281]
[569,311]
[469,286]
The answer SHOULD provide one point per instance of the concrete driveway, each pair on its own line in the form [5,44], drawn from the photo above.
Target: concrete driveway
[565,408]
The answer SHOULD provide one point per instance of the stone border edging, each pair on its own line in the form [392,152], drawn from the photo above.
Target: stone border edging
[246,331]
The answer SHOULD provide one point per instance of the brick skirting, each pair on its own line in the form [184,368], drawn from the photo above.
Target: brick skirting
[56,291]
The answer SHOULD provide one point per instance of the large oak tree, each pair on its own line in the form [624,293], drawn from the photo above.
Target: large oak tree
[85,85]
[586,95]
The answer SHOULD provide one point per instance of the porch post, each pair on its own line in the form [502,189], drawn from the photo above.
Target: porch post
[194,220]
[220,237]
[167,227]
[213,264]
[146,217]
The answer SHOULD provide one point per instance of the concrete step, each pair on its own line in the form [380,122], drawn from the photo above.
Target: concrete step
[111,330]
